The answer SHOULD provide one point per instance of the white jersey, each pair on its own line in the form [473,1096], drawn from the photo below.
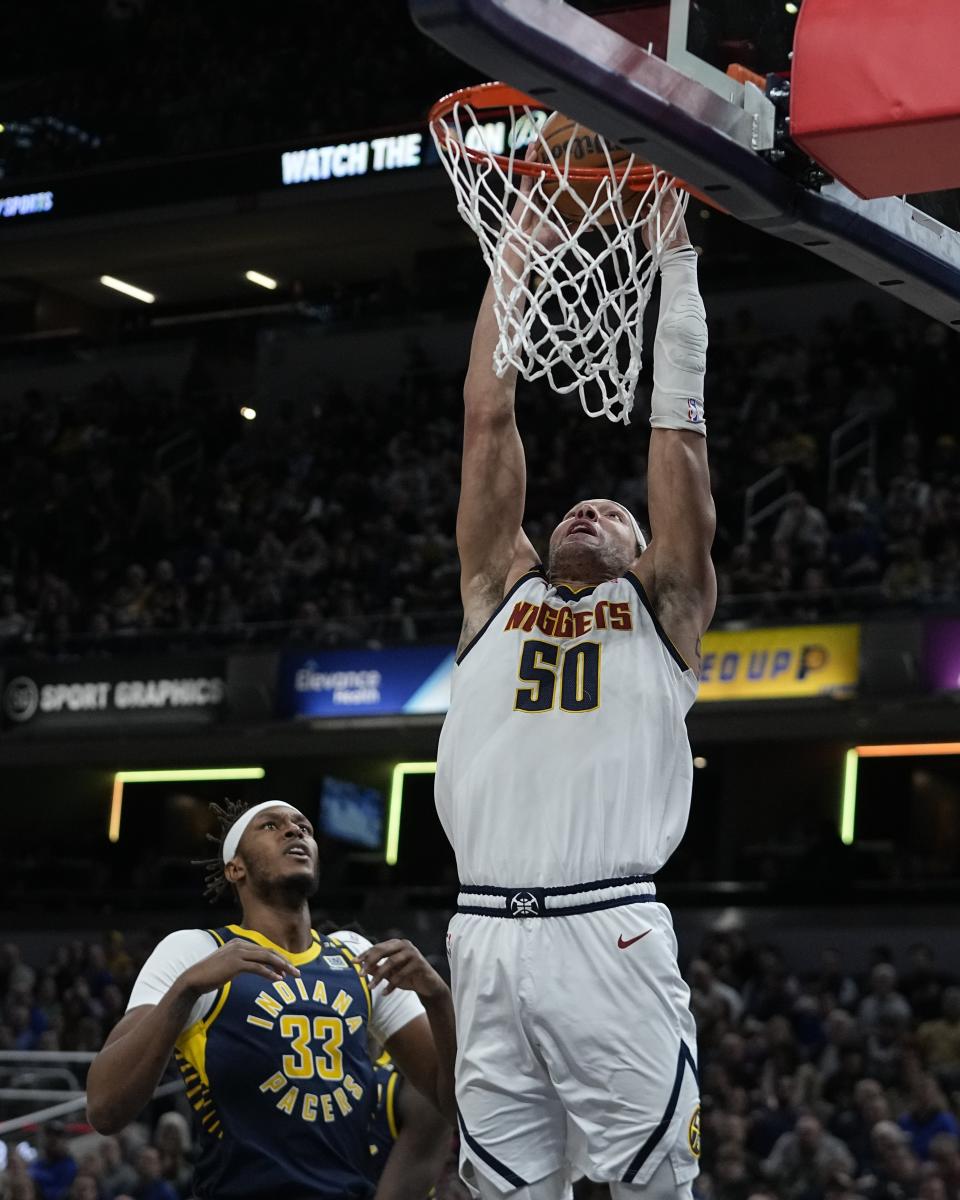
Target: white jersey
[564,756]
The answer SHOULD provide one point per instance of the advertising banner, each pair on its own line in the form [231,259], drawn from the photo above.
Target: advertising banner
[365,683]
[941,654]
[780,664]
[111,694]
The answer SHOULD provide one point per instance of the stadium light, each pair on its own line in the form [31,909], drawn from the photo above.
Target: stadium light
[848,801]
[128,289]
[395,806]
[248,413]
[188,775]
[261,280]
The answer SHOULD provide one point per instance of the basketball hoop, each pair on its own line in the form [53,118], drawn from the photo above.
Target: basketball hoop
[589,238]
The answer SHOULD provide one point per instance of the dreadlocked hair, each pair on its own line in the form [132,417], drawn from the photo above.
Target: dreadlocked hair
[216,883]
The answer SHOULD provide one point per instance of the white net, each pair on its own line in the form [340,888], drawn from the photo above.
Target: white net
[573,261]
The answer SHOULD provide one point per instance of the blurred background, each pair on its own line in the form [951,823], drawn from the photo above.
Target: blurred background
[227,568]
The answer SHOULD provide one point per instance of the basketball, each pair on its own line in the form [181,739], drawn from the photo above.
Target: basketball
[585,149]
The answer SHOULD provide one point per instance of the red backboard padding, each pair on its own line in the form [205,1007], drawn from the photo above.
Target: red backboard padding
[875,93]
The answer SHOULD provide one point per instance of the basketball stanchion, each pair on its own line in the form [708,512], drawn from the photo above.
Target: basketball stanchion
[587,220]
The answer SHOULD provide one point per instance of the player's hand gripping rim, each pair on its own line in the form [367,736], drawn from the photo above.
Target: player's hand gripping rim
[401,965]
[233,959]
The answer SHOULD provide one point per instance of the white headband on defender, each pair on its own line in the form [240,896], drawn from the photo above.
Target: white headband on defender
[238,828]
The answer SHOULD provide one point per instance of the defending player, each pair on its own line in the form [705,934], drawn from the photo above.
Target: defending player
[563,783]
[409,1141]
[268,1022]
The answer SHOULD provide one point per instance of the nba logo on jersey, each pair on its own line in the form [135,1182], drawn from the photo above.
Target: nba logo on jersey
[695,411]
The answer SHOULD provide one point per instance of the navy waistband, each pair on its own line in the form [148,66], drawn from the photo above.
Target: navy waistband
[522,902]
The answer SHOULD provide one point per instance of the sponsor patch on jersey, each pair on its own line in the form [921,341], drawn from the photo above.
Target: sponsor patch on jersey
[693,1133]
[336,962]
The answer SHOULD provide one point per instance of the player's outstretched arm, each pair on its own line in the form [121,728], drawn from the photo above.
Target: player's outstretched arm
[418,1156]
[493,547]
[677,569]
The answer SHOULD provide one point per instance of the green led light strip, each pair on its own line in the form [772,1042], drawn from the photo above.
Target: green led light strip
[848,802]
[180,775]
[851,766]
[395,806]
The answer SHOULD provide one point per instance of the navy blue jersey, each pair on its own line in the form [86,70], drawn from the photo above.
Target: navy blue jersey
[281,1079]
[383,1120]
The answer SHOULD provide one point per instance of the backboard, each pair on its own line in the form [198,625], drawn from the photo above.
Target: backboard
[653,76]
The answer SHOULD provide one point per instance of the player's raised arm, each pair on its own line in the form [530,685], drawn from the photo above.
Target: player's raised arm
[493,547]
[677,568]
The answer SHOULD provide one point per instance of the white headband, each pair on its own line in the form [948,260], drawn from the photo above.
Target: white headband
[641,540]
[238,828]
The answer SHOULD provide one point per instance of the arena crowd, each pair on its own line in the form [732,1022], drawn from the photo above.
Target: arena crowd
[838,1083]
[266,531]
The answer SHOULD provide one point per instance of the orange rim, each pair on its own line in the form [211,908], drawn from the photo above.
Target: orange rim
[496,98]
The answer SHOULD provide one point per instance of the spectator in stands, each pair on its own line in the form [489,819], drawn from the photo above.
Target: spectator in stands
[927,1116]
[711,999]
[939,1040]
[802,1162]
[150,1182]
[908,577]
[883,1002]
[922,983]
[855,1125]
[54,1168]
[84,1187]
[13,624]
[172,1140]
[834,982]
[945,1156]
[802,528]
[118,1176]
[857,551]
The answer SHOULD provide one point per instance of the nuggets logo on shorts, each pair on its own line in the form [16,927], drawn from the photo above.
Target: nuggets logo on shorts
[693,1133]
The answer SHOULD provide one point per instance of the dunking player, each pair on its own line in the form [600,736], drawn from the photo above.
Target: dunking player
[268,1022]
[563,783]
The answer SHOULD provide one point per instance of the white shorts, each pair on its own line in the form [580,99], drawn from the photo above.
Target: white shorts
[576,1044]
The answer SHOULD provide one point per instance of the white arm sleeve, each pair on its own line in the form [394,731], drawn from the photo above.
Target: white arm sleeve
[389,1013]
[167,963]
[680,348]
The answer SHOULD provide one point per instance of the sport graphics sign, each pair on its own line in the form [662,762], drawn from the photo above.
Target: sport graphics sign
[366,683]
[92,695]
[780,664]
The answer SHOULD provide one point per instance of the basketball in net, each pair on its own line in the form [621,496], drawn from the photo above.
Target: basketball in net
[563,140]
[572,228]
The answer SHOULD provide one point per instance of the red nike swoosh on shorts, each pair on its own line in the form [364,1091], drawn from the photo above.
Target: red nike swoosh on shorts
[625,944]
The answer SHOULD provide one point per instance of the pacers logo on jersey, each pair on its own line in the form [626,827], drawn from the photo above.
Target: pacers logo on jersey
[693,1133]
[312,1082]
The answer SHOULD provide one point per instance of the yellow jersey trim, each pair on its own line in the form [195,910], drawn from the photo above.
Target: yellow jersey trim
[252,935]
[391,1105]
[352,959]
